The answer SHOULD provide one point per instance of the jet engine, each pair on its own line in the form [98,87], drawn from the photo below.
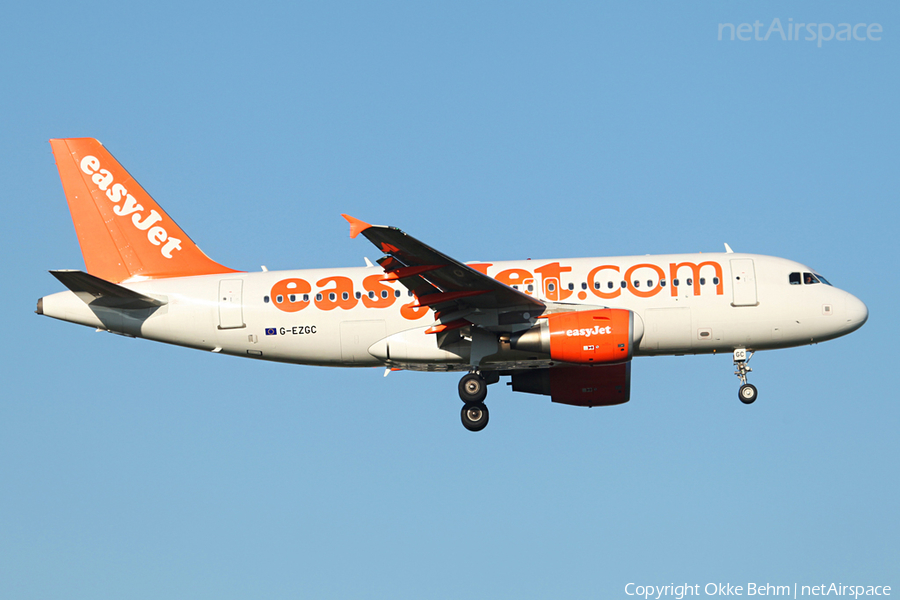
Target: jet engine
[602,336]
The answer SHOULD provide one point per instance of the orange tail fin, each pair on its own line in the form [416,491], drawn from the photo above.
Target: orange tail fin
[122,231]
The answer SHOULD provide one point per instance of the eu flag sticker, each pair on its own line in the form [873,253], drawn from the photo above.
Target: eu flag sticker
[271,331]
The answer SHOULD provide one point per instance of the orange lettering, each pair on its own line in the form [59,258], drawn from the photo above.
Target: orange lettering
[595,288]
[550,272]
[373,284]
[283,290]
[412,312]
[342,292]
[695,271]
[640,293]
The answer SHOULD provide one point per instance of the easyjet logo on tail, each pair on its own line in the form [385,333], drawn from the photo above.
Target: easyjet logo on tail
[116,193]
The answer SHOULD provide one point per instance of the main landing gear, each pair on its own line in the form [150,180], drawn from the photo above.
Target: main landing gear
[473,391]
[747,393]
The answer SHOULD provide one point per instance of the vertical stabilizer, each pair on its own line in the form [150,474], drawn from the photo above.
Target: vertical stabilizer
[123,232]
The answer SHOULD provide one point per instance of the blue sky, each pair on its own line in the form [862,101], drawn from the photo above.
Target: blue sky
[491,131]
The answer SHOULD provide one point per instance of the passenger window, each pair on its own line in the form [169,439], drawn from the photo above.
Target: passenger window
[266,299]
[583,285]
[794,278]
[384,294]
[649,283]
[637,283]
[409,293]
[358,295]
[703,281]
[371,294]
[332,296]
[675,282]
[609,284]
[662,283]
[571,286]
[318,297]
[292,298]
[690,281]
[396,293]
[345,296]
[279,298]
[715,281]
[624,284]
[306,297]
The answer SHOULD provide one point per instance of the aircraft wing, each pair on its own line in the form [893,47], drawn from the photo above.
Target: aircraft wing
[438,281]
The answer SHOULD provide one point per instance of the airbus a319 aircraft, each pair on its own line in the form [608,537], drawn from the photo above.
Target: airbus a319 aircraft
[565,328]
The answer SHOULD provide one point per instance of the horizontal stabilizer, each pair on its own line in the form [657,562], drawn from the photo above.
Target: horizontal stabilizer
[99,292]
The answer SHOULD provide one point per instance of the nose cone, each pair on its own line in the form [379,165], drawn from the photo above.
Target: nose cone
[857,313]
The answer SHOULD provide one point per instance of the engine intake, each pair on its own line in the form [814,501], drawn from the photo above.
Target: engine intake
[603,336]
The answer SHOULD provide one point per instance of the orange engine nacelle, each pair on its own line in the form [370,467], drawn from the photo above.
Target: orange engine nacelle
[602,336]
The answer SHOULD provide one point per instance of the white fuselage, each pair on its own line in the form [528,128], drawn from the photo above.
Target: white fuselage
[721,302]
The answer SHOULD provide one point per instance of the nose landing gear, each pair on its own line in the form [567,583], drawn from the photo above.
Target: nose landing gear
[747,393]
[473,391]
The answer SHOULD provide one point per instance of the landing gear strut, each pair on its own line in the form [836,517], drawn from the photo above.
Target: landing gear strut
[747,393]
[473,391]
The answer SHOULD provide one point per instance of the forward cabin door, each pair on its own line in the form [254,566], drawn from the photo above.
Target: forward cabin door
[743,282]
[231,312]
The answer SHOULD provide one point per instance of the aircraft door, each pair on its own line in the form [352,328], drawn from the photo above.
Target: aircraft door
[743,282]
[231,312]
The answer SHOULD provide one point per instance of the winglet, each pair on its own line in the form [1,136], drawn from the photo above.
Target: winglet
[356,226]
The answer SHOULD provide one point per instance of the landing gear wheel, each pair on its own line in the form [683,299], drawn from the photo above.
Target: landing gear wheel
[474,416]
[472,389]
[747,393]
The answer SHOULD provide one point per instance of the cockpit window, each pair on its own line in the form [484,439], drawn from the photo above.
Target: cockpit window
[806,279]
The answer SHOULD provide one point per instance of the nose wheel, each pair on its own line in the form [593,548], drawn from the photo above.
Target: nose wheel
[747,392]
[473,391]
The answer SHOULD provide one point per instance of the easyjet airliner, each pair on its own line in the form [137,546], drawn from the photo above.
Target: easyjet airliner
[565,328]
